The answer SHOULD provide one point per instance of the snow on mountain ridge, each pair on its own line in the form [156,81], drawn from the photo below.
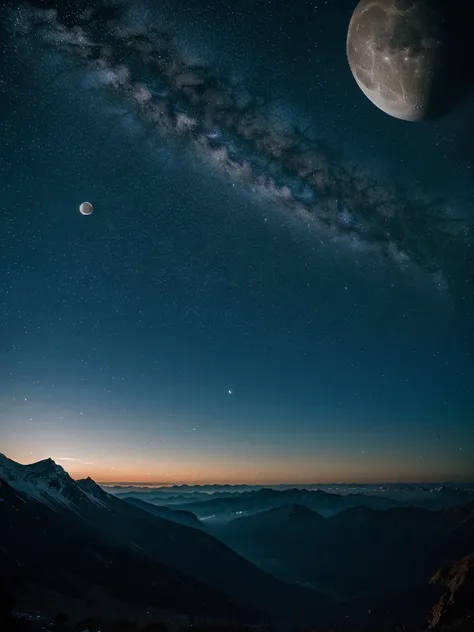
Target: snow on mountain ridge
[44,480]
[94,492]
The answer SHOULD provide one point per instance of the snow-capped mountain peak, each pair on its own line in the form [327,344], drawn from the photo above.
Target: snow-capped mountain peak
[44,480]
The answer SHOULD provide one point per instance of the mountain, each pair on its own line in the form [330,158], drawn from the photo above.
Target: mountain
[252,502]
[75,538]
[354,553]
[285,520]
[44,481]
[60,561]
[175,515]
[444,497]
[168,498]
[457,601]
[432,496]
[286,514]
[438,497]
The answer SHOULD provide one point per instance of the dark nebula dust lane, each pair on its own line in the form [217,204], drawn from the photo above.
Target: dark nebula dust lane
[232,133]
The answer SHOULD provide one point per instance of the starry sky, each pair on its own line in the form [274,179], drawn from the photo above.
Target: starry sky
[244,305]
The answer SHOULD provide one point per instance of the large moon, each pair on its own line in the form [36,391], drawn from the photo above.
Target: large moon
[86,208]
[397,52]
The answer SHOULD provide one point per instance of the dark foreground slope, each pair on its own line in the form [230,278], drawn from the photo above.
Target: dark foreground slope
[50,552]
[74,537]
[441,605]
[455,608]
[357,552]
[444,602]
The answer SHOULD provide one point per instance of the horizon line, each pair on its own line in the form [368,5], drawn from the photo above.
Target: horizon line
[344,483]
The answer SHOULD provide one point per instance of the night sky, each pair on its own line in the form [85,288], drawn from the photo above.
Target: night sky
[208,323]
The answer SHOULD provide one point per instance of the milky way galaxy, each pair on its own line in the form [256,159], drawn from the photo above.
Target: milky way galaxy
[231,132]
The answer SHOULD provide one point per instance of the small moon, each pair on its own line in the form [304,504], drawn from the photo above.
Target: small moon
[86,208]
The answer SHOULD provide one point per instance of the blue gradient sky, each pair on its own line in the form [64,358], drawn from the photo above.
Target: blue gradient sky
[189,332]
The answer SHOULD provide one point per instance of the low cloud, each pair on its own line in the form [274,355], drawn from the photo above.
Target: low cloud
[65,458]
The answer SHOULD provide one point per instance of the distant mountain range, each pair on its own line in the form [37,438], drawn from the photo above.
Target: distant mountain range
[70,546]
[248,503]
[340,488]
[168,498]
[225,505]
[74,539]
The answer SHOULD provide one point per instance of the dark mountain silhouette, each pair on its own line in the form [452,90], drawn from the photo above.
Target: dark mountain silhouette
[440,497]
[444,496]
[72,537]
[252,502]
[64,542]
[429,497]
[60,552]
[291,513]
[188,497]
[164,498]
[175,515]
[161,498]
[92,490]
[285,522]
[357,552]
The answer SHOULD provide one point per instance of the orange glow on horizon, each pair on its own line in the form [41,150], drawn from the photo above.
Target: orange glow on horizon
[275,478]
[108,471]
[212,477]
